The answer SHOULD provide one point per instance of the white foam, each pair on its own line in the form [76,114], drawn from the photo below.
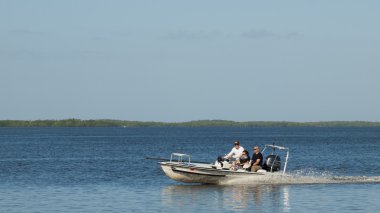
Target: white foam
[302,177]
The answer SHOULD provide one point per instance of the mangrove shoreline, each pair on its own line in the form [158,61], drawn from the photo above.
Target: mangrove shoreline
[198,123]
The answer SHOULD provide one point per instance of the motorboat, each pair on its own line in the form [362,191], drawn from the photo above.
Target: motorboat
[180,168]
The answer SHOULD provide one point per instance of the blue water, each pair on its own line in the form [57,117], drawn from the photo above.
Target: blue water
[104,170]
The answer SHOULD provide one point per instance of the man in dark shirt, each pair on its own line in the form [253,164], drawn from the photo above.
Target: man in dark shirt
[257,159]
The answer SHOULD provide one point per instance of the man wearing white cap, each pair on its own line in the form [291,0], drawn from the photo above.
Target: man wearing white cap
[236,151]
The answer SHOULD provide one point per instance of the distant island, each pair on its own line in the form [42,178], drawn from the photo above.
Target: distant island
[198,123]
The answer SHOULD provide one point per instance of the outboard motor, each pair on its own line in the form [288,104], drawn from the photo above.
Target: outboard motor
[272,163]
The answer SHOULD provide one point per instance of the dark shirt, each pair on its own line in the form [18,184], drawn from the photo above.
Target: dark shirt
[244,159]
[257,156]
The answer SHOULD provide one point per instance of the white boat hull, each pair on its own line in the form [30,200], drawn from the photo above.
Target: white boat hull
[205,173]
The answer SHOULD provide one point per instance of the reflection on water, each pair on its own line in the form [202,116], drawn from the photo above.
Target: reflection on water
[286,199]
[239,197]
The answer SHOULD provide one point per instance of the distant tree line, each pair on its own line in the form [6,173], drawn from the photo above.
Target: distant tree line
[198,123]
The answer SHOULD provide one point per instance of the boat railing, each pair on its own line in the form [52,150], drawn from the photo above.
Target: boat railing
[179,157]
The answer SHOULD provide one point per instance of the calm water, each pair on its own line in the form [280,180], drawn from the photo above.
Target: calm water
[104,170]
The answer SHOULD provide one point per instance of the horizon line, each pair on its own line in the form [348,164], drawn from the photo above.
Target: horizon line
[225,120]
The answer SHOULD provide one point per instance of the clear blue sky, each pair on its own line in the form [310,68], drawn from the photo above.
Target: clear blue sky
[190,60]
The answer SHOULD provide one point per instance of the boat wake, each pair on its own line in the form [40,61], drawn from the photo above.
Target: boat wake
[302,177]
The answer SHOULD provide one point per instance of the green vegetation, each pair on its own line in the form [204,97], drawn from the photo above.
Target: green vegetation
[200,123]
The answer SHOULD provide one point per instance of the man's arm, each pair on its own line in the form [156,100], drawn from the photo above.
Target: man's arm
[229,155]
[257,162]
